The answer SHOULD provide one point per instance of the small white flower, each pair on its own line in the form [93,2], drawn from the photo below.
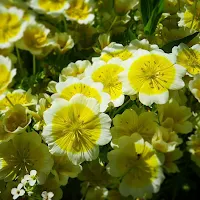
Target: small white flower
[30,179]
[17,192]
[47,195]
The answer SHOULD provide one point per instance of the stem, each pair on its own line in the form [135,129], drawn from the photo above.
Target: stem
[34,114]
[9,101]
[122,107]
[19,61]
[65,24]
[115,19]
[34,65]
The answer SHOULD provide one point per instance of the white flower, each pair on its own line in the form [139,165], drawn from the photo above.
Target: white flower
[30,179]
[17,192]
[47,195]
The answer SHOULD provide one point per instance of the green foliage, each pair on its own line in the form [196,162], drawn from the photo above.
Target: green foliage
[151,12]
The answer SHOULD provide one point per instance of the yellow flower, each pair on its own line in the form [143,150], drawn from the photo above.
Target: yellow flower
[194,86]
[6,73]
[76,69]
[123,6]
[63,42]
[115,50]
[35,39]
[22,154]
[76,128]
[85,86]
[151,74]
[63,169]
[80,11]
[18,96]
[191,17]
[12,25]
[138,166]
[169,164]
[107,74]
[16,119]
[194,147]
[130,122]
[175,117]
[50,6]
[189,58]
[165,140]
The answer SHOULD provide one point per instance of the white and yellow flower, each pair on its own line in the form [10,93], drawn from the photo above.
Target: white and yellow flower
[115,50]
[194,86]
[130,122]
[175,117]
[35,38]
[12,25]
[19,96]
[50,6]
[187,57]
[190,18]
[16,120]
[107,74]
[165,140]
[6,73]
[138,166]
[76,128]
[63,42]
[152,74]
[80,11]
[76,69]
[22,154]
[85,86]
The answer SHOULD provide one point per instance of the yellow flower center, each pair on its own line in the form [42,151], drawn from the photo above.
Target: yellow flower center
[34,37]
[151,74]
[191,21]
[81,128]
[9,26]
[80,88]
[190,59]
[51,5]
[122,54]
[15,98]
[108,76]
[78,10]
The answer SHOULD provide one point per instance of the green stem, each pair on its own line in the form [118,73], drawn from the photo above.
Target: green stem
[19,61]
[122,107]
[34,65]
[115,19]
[65,24]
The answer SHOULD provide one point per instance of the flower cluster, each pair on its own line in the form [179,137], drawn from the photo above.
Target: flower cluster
[99,97]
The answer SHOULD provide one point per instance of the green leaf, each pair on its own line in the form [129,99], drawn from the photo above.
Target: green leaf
[168,47]
[154,18]
[146,9]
